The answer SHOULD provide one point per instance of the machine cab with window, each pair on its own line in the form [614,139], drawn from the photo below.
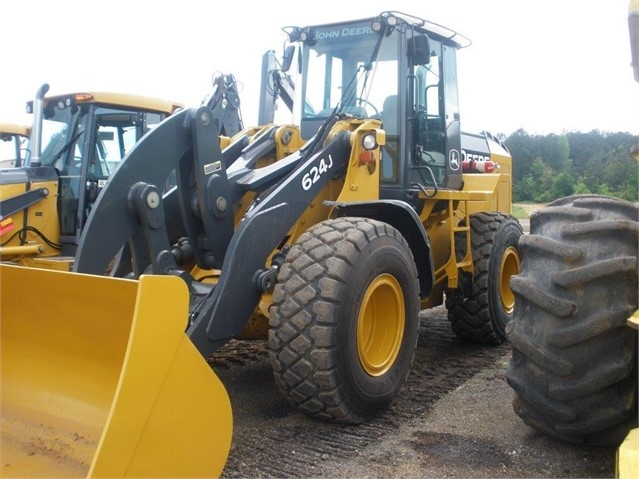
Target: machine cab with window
[13,141]
[85,136]
[401,70]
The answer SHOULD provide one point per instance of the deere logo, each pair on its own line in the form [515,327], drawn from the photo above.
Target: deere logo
[344,32]
[454,160]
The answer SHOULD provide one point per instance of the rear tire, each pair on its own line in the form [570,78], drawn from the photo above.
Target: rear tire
[344,321]
[480,309]
[574,358]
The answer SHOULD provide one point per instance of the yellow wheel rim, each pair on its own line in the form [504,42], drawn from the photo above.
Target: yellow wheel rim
[509,267]
[380,325]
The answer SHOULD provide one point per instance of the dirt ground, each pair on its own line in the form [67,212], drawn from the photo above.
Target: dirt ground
[454,418]
[530,207]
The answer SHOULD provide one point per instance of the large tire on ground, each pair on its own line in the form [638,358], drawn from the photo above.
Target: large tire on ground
[483,304]
[574,358]
[344,321]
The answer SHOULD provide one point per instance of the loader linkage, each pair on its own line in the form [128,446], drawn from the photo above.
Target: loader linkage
[209,186]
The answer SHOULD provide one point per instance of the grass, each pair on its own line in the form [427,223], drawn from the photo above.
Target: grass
[519,212]
[524,209]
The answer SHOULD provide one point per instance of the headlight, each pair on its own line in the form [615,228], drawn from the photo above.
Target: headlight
[369,142]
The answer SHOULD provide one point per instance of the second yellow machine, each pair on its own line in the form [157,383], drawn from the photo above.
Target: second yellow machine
[327,236]
[13,139]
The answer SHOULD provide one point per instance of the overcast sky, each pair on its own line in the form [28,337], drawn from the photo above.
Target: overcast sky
[547,66]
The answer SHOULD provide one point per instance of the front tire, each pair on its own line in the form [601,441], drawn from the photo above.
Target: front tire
[343,327]
[574,358]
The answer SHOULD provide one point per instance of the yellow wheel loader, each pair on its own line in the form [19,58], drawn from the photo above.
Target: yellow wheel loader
[574,331]
[327,236]
[13,139]
[76,142]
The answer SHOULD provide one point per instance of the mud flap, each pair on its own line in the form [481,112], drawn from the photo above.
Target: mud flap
[99,379]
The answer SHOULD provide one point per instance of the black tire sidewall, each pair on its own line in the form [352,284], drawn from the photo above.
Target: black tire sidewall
[382,255]
[507,236]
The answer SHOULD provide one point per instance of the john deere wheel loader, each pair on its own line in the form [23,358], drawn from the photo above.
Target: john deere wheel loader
[77,141]
[574,330]
[327,236]
[13,139]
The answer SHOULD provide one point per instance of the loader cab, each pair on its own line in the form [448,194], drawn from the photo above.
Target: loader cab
[398,69]
[13,141]
[85,137]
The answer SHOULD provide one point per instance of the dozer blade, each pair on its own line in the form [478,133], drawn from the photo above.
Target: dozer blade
[100,380]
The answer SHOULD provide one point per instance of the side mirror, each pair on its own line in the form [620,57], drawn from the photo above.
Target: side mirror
[419,50]
[289,52]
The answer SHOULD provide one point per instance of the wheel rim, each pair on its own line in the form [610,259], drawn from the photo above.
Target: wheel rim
[380,325]
[509,267]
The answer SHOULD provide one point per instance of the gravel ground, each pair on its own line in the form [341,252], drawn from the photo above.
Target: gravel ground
[454,418]
[473,432]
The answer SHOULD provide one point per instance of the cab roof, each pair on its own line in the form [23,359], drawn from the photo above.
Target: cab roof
[444,33]
[14,129]
[118,99]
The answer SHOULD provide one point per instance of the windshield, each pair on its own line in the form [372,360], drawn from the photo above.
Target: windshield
[349,68]
[343,71]
[11,146]
[116,130]
[61,130]
[86,143]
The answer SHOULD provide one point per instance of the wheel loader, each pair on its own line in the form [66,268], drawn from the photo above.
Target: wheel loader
[77,141]
[573,368]
[13,138]
[325,237]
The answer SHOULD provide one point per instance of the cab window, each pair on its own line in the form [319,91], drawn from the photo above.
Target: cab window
[430,141]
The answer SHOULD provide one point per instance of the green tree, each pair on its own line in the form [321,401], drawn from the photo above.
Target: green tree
[522,150]
[563,185]
[621,173]
[546,167]
[523,190]
[580,187]
[555,151]
[542,180]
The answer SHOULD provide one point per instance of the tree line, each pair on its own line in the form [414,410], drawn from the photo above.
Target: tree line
[547,167]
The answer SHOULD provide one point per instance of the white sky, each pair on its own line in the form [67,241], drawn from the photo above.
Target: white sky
[547,66]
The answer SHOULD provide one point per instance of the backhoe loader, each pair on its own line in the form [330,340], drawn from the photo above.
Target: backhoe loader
[574,330]
[13,138]
[325,236]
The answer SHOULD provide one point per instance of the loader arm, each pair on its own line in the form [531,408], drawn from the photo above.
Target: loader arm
[15,176]
[111,222]
[22,201]
[221,316]
[131,211]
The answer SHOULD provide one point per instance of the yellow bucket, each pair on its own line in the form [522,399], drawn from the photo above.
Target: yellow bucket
[100,380]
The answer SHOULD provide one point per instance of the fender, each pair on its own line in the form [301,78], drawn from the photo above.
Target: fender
[402,216]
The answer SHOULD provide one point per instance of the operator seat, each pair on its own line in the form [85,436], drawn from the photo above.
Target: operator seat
[390,151]
[390,115]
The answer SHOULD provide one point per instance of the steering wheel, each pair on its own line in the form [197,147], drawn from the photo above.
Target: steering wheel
[364,101]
